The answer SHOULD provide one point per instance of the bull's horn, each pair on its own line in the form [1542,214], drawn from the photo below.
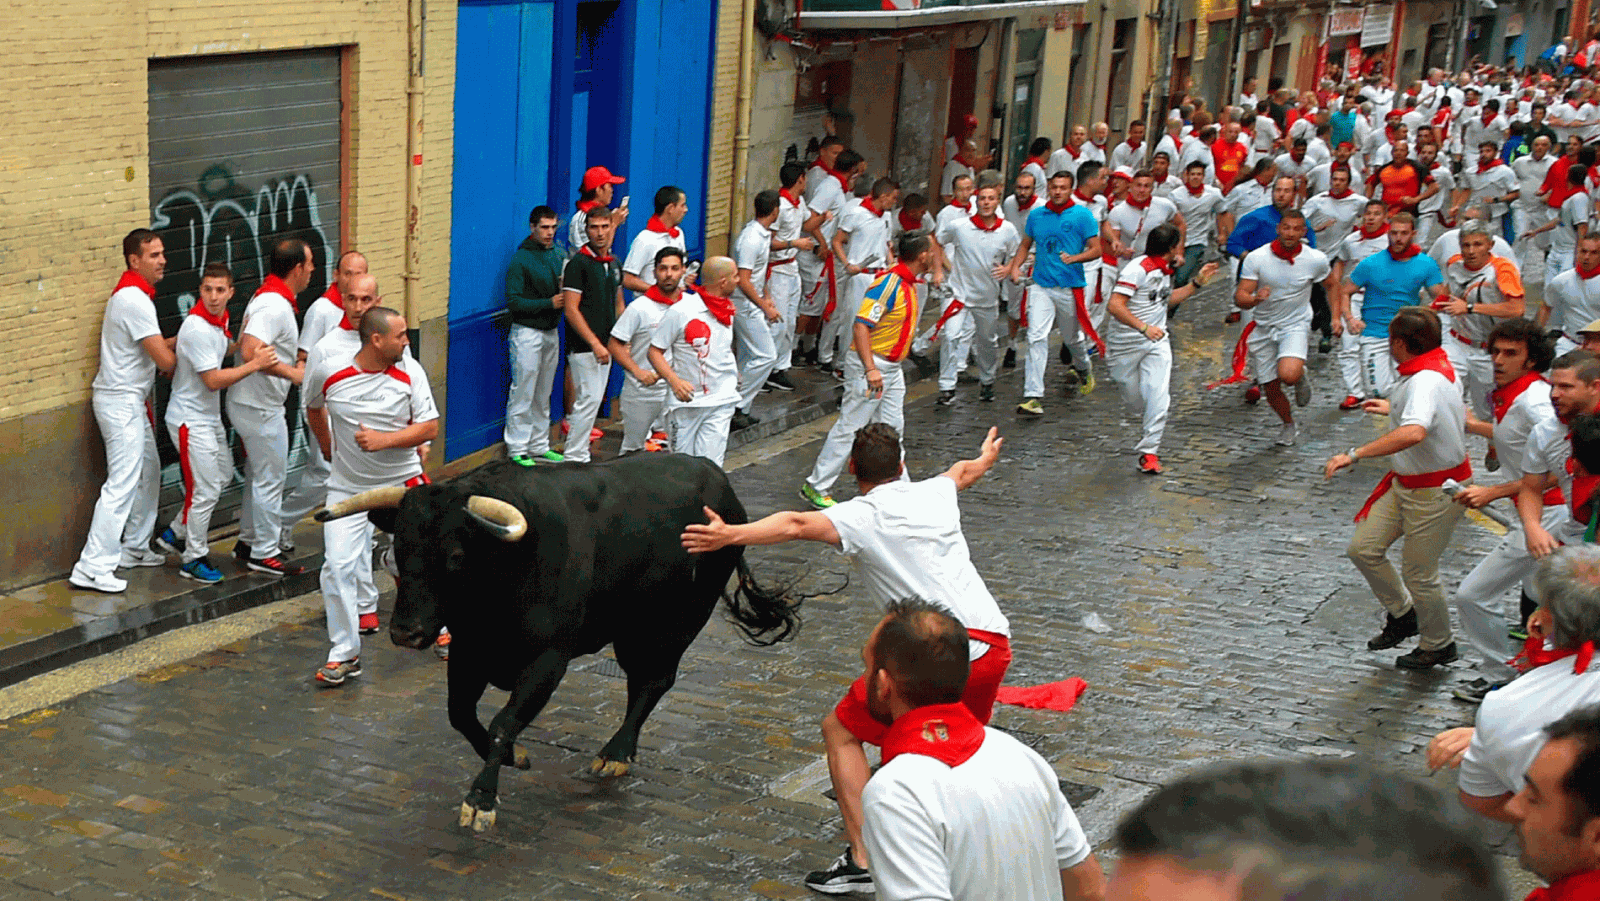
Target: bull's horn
[505,521]
[376,499]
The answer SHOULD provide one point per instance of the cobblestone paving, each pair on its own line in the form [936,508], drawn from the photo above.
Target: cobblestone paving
[1235,629]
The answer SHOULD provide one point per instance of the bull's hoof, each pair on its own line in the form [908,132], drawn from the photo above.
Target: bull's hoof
[479,820]
[520,758]
[608,769]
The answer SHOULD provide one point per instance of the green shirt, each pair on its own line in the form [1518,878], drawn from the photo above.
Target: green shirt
[532,279]
[596,283]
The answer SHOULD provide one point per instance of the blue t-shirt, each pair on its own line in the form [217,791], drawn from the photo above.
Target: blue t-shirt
[1056,233]
[1342,128]
[1390,285]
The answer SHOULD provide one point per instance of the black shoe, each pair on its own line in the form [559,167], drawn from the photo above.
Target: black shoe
[925,366]
[780,381]
[1323,346]
[1394,631]
[1420,659]
[946,398]
[1065,355]
[1475,691]
[843,878]
[241,552]
[986,392]
[1010,362]
[743,420]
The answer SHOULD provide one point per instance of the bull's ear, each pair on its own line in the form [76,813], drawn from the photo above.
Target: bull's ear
[384,519]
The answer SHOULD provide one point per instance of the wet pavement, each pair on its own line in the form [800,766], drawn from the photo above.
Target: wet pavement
[1210,609]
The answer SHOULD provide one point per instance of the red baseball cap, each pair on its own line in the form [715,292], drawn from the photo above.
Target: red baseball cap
[597,176]
[970,120]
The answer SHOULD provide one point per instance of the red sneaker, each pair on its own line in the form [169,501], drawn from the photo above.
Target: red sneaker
[274,566]
[1253,395]
[441,645]
[1232,317]
[1350,402]
[369,624]
[1149,464]
[596,435]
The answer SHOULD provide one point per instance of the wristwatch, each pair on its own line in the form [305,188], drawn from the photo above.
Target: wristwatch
[1351,453]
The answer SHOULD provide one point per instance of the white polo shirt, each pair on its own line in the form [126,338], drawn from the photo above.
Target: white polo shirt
[751,251]
[202,347]
[905,538]
[1148,287]
[974,251]
[125,367]
[994,827]
[1428,399]
[701,351]
[1510,728]
[387,400]
[322,317]
[1136,223]
[1289,306]
[1574,302]
[269,318]
[641,259]
[1332,217]
[1016,214]
[792,215]
[1200,213]
[635,327]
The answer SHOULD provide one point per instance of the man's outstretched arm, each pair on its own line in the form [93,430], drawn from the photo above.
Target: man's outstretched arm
[967,472]
[775,529]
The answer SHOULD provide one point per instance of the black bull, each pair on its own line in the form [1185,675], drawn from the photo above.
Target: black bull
[532,567]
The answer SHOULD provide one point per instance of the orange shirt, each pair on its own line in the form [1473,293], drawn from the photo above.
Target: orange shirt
[1401,180]
[1229,160]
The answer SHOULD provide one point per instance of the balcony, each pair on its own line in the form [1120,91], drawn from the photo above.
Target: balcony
[838,14]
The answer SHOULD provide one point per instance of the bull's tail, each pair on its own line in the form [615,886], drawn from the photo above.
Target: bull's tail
[765,616]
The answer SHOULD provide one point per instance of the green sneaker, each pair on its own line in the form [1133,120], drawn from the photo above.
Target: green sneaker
[522,459]
[1031,407]
[816,498]
[1086,380]
[549,457]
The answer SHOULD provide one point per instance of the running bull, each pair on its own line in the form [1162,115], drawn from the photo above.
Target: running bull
[532,567]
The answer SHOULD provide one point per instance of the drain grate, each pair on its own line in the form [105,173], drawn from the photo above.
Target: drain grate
[604,666]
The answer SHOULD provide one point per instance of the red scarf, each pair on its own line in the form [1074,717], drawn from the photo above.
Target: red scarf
[721,308]
[1036,160]
[656,225]
[1029,205]
[909,222]
[587,206]
[1071,150]
[1488,118]
[1086,201]
[784,193]
[588,251]
[1534,654]
[347,325]
[1151,264]
[1136,204]
[1347,193]
[1410,251]
[654,293]
[333,296]
[1433,359]
[1577,887]
[1194,192]
[1503,398]
[1283,253]
[1134,145]
[221,322]
[978,221]
[869,206]
[1367,236]
[948,733]
[274,285]
[1485,167]
[131,279]
[1587,274]
[1059,209]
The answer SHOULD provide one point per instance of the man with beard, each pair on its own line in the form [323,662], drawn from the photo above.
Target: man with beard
[644,394]
[1401,183]
[1389,280]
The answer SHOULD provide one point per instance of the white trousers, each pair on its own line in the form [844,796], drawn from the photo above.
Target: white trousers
[207,465]
[975,331]
[700,431]
[641,408]
[1428,228]
[1350,356]
[856,409]
[1479,600]
[813,294]
[1050,308]
[588,390]
[347,587]
[312,491]
[1145,376]
[1097,296]
[265,435]
[784,288]
[837,331]
[125,514]
[1474,373]
[1530,251]
[1377,365]
[752,346]
[534,353]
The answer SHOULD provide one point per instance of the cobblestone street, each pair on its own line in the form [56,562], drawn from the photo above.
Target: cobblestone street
[1232,627]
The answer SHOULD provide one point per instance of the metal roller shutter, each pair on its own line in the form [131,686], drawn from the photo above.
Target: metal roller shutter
[244,151]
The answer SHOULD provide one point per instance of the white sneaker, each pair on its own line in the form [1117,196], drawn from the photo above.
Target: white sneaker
[1302,391]
[1286,435]
[131,559]
[107,583]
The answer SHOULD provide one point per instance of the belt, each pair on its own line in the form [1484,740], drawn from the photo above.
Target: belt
[418,480]
[1460,472]
[773,264]
[1481,345]
[1554,498]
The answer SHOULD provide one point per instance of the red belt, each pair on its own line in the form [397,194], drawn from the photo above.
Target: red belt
[950,311]
[1460,473]
[1553,497]
[1481,345]
[418,480]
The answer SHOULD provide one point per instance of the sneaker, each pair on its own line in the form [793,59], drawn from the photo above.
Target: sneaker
[842,878]
[285,546]
[816,498]
[522,459]
[986,392]
[742,420]
[1030,406]
[167,542]
[1302,391]
[275,566]
[549,456]
[334,673]
[131,559]
[106,584]
[1325,345]
[200,570]
[1252,395]
[1231,318]
[369,623]
[596,434]
[838,374]
[1085,380]
[1350,402]
[780,381]
[1010,362]
[1517,633]
[1286,435]
[1418,659]
[241,551]
[1491,460]
[946,397]
[1149,464]
[1475,691]
[441,645]
[1395,630]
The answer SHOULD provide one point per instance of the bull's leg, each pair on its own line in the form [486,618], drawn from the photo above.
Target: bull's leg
[467,683]
[534,687]
[650,675]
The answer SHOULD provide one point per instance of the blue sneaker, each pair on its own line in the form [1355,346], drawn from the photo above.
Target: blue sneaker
[200,570]
[167,542]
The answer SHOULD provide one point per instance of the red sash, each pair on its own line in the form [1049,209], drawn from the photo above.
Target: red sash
[1085,324]
[1240,358]
[1460,473]
[949,313]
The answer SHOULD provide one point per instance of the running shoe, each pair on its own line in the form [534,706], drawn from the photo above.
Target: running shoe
[1302,391]
[1475,691]
[742,420]
[167,542]
[275,566]
[106,584]
[1350,402]
[946,397]
[1150,464]
[200,570]
[842,878]
[131,559]
[369,623]
[780,381]
[522,459]
[1030,406]
[549,456]
[816,498]
[1086,381]
[335,672]
[1395,630]
[1286,435]
[241,551]
[1418,659]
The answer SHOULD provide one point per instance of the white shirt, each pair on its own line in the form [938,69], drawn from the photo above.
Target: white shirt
[1428,399]
[791,221]
[269,318]
[1511,721]
[1575,211]
[816,176]
[701,351]
[948,177]
[868,245]
[1320,178]
[1473,132]
[1448,245]
[829,198]
[1062,160]
[1248,196]
[1574,302]
[1195,150]
[1530,176]
[1126,154]
[994,827]
[1168,145]
[1563,112]
[1512,433]
[635,327]
[641,260]
[1355,248]
[1332,217]
[1133,225]
[1016,214]
[1266,132]
[125,367]
[387,400]
[1549,452]
[905,538]
[1287,167]
[1148,287]
[322,317]
[1290,283]
[1446,180]
[202,347]
[973,253]
[1163,187]
[751,251]
[1496,181]
[1199,213]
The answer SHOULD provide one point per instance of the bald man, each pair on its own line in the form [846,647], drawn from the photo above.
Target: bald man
[703,376]
[969,162]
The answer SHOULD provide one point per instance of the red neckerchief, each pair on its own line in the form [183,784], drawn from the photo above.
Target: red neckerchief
[347,325]
[1194,192]
[1367,236]
[1058,209]
[1136,204]
[1433,359]
[1071,150]
[719,307]
[904,273]
[1535,654]
[962,159]
[333,296]
[1488,118]
[588,251]
[274,285]
[784,193]
[1587,274]
[1347,193]
[909,222]
[842,179]
[1410,251]
[1485,167]
[587,206]
[656,225]
[221,322]
[1039,161]
[1576,887]
[1151,264]
[869,206]
[948,733]
[131,279]
[1300,159]
[1134,145]
[1086,201]
[654,293]
[1503,398]
[978,221]
[1283,253]
[1029,205]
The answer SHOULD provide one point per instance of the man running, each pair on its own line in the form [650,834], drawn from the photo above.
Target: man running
[980,247]
[1398,277]
[1484,290]
[1199,205]
[1358,371]
[1572,298]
